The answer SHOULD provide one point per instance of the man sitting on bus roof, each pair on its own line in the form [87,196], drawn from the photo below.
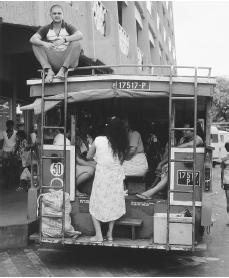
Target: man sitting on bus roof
[56,46]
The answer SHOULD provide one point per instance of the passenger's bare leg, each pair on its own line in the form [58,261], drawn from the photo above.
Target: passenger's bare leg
[83,178]
[156,181]
[98,233]
[157,188]
[110,230]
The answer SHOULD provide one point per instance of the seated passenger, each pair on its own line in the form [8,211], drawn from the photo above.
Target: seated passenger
[59,138]
[185,142]
[135,163]
[85,169]
[154,152]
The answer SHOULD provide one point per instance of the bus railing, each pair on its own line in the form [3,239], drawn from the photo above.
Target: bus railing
[170,68]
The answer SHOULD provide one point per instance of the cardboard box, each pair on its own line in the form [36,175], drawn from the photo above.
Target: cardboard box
[179,233]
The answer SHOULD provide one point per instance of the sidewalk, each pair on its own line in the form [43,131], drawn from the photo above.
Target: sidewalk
[13,207]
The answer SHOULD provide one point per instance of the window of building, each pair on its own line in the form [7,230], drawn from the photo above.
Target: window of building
[158,22]
[120,7]
[138,30]
[138,17]
[149,6]
[123,41]
[164,34]
[167,4]
[160,53]
[151,38]
[167,60]
[163,9]
[171,13]
[99,14]
[174,54]
[168,23]
[140,57]
[170,44]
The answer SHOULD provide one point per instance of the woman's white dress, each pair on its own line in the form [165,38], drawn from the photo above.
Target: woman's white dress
[107,201]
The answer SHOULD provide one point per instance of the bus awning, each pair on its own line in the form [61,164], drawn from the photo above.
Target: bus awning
[90,95]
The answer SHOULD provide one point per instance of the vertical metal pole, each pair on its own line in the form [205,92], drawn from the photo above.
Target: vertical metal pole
[194,164]
[41,151]
[65,136]
[169,155]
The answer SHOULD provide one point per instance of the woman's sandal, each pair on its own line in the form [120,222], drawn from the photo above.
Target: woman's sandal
[143,197]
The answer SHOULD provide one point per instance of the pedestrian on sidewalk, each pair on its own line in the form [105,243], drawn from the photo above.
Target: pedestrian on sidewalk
[56,45]
[9,142]
[225,177]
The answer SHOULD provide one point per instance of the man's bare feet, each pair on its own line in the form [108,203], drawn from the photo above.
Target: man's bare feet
[49,77]
[61,73]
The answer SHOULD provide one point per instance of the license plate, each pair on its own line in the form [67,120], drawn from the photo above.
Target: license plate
[131,85]
[185,177]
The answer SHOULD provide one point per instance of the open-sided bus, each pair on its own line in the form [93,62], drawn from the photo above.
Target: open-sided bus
[166,100]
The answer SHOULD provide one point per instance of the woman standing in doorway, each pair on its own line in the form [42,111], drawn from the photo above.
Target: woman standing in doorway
[107,201]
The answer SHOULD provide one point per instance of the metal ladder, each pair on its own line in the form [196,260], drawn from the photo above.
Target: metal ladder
[43,157]
[172,129]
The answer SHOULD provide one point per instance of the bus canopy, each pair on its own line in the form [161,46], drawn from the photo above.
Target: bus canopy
[90,95]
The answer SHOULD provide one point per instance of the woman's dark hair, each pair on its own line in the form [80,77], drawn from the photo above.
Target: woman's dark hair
[118,138]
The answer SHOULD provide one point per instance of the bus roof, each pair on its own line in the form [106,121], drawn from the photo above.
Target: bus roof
[182,85]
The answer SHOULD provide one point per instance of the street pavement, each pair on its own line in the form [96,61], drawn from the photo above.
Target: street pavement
[96,261]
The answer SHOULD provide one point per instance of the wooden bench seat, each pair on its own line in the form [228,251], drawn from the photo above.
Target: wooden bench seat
[135,184]
[132,222]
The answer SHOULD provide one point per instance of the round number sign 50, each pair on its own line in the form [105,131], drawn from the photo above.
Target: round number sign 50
[57,169]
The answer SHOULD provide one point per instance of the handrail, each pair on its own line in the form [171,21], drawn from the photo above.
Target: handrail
[170,67]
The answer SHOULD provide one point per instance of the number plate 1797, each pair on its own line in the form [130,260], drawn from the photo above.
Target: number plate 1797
[185,177]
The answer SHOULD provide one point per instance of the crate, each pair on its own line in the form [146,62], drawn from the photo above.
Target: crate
[179,233]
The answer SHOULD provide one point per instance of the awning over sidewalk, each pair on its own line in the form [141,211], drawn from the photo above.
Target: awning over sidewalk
[90,95]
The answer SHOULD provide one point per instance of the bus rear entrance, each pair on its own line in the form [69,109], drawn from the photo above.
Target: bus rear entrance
[174,219]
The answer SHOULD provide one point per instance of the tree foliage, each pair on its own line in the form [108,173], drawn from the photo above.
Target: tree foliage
[220,107]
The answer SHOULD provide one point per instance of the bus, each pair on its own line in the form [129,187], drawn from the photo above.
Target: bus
[177,220]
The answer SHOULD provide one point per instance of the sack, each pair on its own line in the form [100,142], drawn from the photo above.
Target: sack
[54,200]
[25,175]
[52,203]
[52,227]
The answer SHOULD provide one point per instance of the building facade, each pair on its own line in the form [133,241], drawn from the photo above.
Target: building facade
[115,32]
